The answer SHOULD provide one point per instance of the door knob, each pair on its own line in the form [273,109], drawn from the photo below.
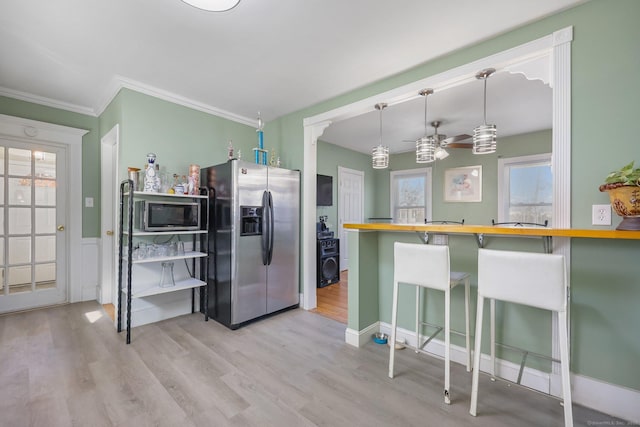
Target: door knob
[61,228]
[109,232]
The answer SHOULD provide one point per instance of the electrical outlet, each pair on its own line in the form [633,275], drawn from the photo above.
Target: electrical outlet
[88,202]
[439,239]
[601,215]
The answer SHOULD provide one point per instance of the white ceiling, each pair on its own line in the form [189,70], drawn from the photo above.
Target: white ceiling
[273,56]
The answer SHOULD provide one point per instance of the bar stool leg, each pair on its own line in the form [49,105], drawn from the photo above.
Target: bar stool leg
[417,318]
[564,367]
[394,325]
[466,320]
[492,308]
[476,357]
[447,345]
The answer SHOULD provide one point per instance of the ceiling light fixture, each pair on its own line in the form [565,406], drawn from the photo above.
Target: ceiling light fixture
[439,153]
[425,146]
[380,154]
[484,136]
[213,5]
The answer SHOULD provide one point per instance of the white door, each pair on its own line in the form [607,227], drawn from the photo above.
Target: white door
[350,207]
[33,244]
[108,205]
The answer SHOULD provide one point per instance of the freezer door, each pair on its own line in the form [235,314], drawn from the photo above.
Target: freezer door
[249,277]
[282,274]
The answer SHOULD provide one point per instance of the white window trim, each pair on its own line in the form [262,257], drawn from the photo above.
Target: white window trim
[503,181]
[428,197]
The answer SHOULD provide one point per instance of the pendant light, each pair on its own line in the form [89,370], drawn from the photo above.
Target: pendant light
[380,154]
[425,146]
[484,136]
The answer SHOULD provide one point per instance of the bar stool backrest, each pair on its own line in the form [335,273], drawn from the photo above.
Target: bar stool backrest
[533,279]
[422,265]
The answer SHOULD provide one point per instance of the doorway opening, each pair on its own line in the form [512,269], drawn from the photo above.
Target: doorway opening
[333,246]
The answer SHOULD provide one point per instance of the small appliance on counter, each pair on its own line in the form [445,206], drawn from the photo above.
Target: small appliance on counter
[322,230]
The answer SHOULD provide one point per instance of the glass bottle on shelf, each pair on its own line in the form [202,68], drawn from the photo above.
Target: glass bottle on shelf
[166,279]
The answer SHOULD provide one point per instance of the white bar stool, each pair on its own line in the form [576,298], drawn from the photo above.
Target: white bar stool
[427,266]
[533,279]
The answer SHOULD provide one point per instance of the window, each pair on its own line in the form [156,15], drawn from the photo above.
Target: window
[525,192]
[411,196]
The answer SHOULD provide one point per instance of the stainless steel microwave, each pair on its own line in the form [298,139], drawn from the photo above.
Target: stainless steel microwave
[150,215]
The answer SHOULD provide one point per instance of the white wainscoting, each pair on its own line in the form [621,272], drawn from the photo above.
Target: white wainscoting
[88,286]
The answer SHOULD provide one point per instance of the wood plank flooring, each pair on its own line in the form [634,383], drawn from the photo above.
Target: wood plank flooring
[67,366]
[332,300]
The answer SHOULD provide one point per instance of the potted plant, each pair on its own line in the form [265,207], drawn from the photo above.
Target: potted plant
[623,187]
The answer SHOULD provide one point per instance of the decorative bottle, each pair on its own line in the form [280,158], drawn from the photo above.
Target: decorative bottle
[151,178]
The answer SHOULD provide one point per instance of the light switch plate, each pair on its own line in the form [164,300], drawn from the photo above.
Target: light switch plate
[601,215]
[88,202]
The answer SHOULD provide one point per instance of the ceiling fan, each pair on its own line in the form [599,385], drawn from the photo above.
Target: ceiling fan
[450,142]
[456,141]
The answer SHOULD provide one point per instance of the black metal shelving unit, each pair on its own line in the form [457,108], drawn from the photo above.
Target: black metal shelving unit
[127,198]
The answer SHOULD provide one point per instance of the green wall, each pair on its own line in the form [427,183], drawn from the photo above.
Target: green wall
[329,158]
[90,151]
[179,136]
[472,213]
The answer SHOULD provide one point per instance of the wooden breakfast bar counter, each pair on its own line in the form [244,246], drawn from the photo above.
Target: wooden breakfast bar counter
[485,230]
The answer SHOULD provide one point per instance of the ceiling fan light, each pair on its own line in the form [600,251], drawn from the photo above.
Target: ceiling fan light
[425,150]
[441,153]
[484,139]
[380,157]
[213,5]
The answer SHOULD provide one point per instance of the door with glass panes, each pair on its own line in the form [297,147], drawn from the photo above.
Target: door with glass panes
[32,237]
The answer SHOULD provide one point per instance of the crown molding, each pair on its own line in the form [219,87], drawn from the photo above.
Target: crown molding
[47,102]
[119,82]
[112,89]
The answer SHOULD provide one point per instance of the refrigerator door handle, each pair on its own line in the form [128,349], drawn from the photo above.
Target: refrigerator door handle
[265,228]
[270,228]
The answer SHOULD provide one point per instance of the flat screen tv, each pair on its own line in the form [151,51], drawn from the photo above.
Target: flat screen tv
[324,190]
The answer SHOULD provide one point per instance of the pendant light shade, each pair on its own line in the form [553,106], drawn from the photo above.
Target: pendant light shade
[380,154]
[426,146]
[484,136]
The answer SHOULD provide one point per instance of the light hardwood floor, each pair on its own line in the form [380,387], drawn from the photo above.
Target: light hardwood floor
[332,300]
[67,366]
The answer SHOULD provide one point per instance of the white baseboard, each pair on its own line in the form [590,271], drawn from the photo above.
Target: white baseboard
[531,378]
[611,399]
[360,338]
[614,400]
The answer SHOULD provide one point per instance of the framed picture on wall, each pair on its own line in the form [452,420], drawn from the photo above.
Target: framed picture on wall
[463,184]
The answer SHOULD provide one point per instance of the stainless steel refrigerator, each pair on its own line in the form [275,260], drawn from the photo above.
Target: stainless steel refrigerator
[254,243]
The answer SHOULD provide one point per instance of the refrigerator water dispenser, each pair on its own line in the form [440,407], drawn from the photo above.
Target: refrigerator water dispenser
[251,220]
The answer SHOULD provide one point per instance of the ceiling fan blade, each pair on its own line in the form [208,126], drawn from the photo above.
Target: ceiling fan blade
[453,139]
[459,145]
